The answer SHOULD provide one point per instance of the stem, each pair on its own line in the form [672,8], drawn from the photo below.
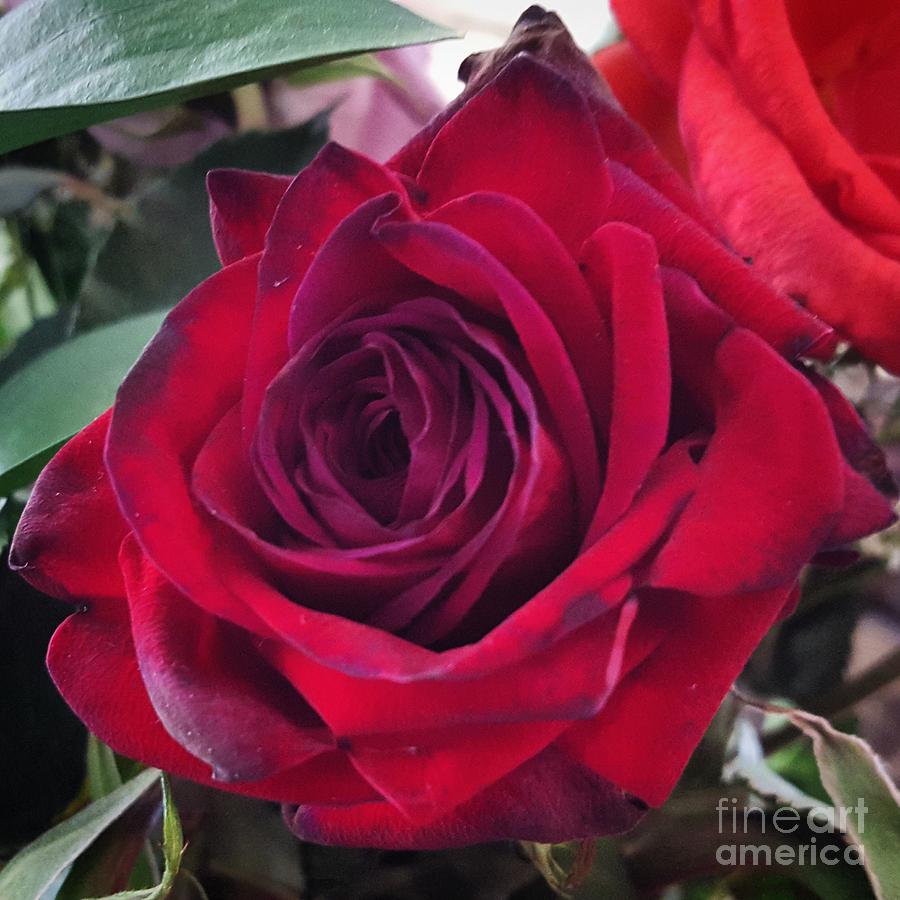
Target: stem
[842,698]
[250,107]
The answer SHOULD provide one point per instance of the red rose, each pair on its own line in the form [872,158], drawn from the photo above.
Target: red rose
[451,507]
[791,124]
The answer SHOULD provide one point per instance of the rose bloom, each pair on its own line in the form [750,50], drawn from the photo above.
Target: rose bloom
[449,509]
[790,121]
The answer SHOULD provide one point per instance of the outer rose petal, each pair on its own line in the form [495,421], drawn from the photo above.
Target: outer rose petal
[94,647]
[542,38]
[550,798]
[778,464]
[865,511]
[241,206]
[68,542]
[756,44]
[187,379]
[857,445]
[204,675]
[683,244]
[708,640]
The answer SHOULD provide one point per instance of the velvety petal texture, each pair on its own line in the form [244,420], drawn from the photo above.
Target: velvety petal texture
[791,132]
[449,509]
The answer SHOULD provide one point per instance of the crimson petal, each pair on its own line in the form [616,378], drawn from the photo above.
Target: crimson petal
[707,641]
[204,675]
[331,187]
[94,647]
[241,206]
[778,464]
[198,353]
[626,259]
[484,147]
[550,798]
[68,541]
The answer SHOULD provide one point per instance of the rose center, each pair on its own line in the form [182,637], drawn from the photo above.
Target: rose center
[385,448]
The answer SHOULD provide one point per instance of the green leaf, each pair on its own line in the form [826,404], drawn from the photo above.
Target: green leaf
[165,248]
[102,769]
[24,297]
[859,786]
[32,871]
[797,763]
[69,65]
[43,404]
[750,767]
[173,847]
[120,859]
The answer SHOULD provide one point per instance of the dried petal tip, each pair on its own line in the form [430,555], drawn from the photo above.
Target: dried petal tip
[535,15]
[543,36]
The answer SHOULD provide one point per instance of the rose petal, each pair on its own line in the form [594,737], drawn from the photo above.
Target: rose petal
[679,688]
[485,148]
[644,98]
[625,259]
[754,187]
[94,647]
[549,799]
[865,511]
[514,235]
[772,78]
[857,445]
[433,772]
[778,464]
[184,383]
[68,538]
[241,206]
[723,277]
[204,675]
[351,267]
[331,187]
[659,30]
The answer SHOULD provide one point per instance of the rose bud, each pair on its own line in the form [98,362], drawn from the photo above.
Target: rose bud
[791,130]
[450,508]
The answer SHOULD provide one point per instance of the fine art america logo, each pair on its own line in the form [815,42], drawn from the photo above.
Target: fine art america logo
[751,835]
